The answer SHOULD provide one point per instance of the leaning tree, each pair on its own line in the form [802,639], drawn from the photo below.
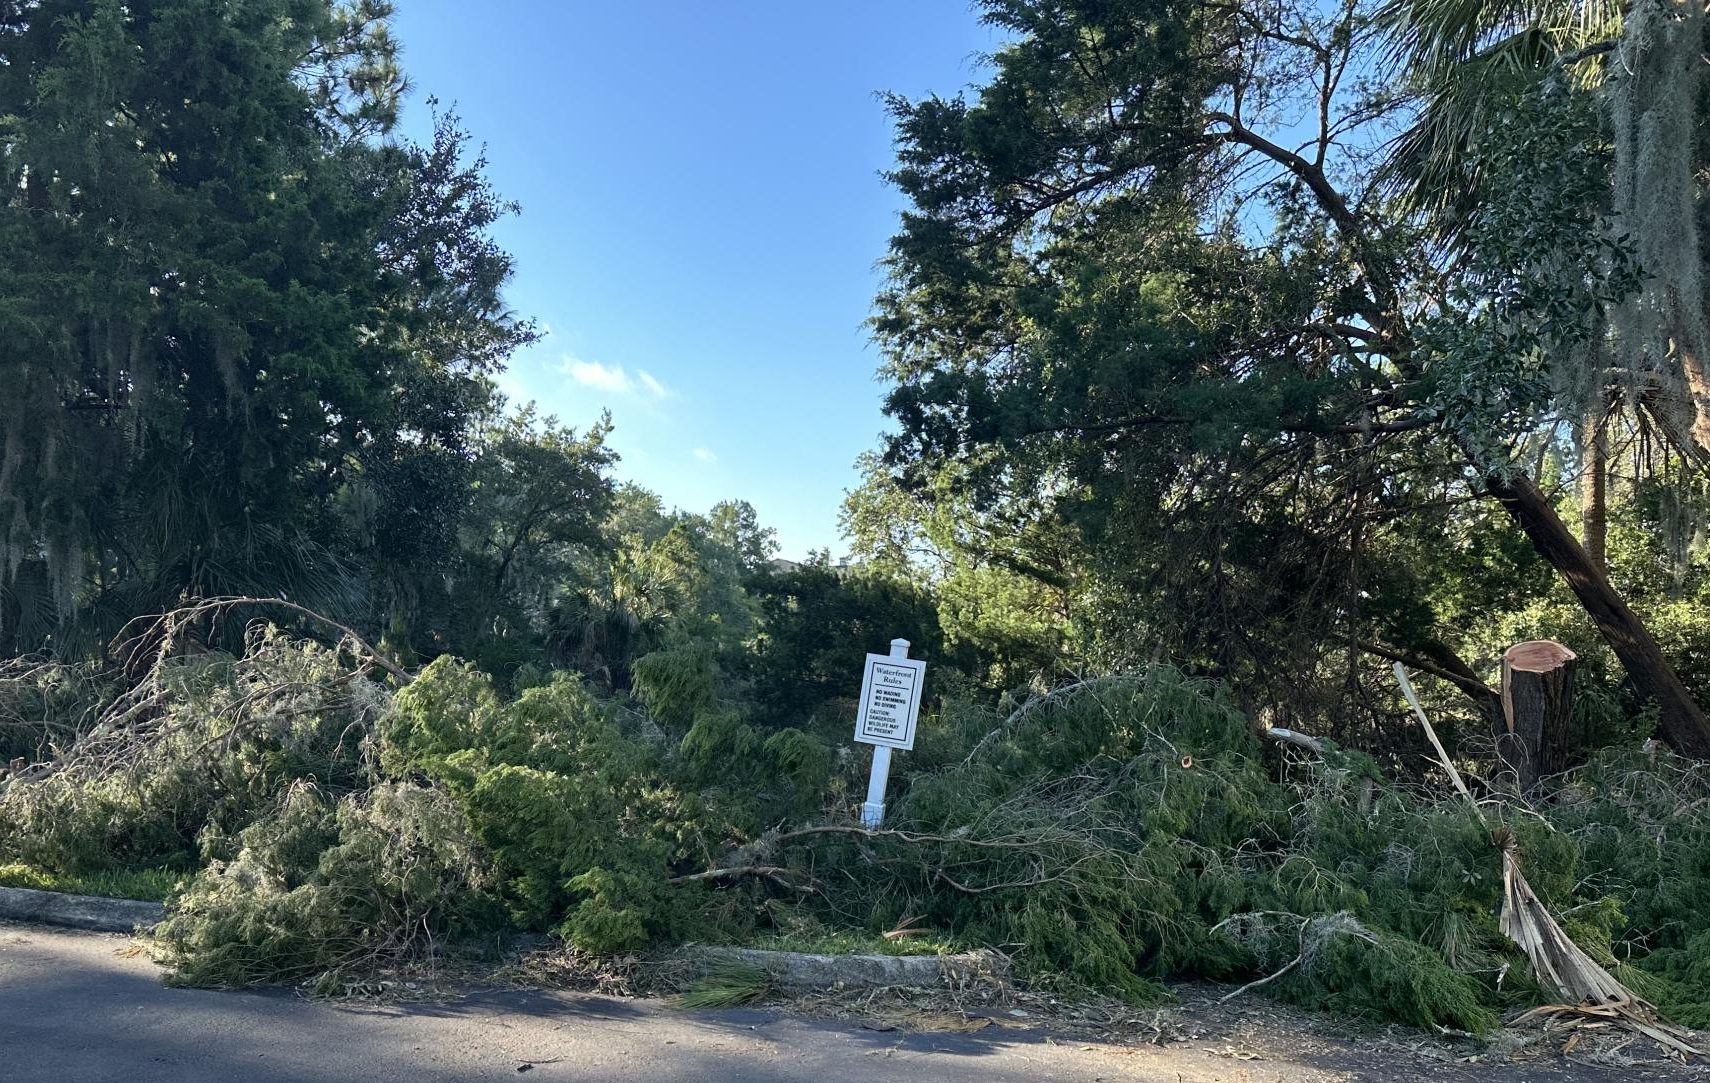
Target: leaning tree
[1158,262]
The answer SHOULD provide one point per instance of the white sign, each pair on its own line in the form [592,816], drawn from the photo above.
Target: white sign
[890,700]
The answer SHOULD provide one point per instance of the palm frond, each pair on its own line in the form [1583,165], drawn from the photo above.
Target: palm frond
[1465,59]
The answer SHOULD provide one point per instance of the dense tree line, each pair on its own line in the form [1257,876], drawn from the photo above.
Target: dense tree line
[248,341]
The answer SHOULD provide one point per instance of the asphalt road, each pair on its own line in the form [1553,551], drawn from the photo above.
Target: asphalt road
[80,1007]
[74,1009]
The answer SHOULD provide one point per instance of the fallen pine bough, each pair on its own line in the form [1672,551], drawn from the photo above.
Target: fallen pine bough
[130,725]
[1109,839]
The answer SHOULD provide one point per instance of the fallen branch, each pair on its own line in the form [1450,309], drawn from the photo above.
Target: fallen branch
[1033,703]
[905,929]
[1295,737]
[976,859]
[1453,671]
[1312,934]
[134,724]
[901,836]
[747,861]
[1431,733]
[982,889]
[163,630]
[776,873]
[1266,980]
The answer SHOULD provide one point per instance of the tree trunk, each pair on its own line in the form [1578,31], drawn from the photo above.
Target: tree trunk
[1539,737]
[11,615]
[1593,494]
[1682,722]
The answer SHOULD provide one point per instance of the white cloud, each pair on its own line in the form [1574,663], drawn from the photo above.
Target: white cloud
[613,378]
[514,390]
[705,456]
[595,375]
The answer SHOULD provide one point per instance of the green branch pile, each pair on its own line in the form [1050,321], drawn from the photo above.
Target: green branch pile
[1113,836]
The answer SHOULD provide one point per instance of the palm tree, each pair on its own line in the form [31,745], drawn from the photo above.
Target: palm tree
[1469,61]
[1465,59]
[1639,65]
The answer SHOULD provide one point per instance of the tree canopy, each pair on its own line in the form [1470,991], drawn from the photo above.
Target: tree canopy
[237,326]
[1157,268]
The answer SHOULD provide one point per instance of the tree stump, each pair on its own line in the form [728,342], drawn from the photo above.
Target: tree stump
[1537,707]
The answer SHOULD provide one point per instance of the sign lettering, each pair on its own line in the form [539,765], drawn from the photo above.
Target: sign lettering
[890,701]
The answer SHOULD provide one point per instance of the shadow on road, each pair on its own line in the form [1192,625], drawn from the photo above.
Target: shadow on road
[76,1009]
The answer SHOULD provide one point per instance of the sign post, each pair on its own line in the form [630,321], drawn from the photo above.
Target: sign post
[890,706]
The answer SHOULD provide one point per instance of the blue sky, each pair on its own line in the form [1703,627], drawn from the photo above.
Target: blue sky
[701,217]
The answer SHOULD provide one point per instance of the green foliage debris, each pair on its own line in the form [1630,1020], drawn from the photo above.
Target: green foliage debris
[1113,835]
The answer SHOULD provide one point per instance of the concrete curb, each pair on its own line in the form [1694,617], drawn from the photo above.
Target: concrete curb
[79,911]
[804,970]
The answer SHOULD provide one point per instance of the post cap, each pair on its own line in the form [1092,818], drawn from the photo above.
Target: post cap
[899,648]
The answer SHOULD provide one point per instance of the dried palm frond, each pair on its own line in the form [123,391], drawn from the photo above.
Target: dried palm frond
[1558,963]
